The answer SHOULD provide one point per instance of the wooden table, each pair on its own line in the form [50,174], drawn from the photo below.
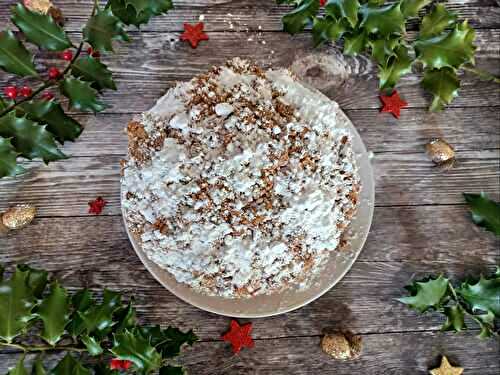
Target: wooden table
[421,225]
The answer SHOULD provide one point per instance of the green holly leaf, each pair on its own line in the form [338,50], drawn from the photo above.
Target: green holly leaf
[485,212]
[172,370]
[8,159]
[102,368]
[436,21]
[443,84]
[93,346]
[19,369]
[38,368]
[167,341]
[159,7]
[126,318]
[69,365]
[483,295]
[450,49]
[37,279]
[355,42]
[98,318]
[129,16]
[82,96]
[30,139]
[347,9]
[383,49]
[40,29]
[14,57]
[102,28]
[54,312]
[135,348]
[138,5]
[93,70]
[396,67]
[51,113]
[327,29]
[426,294]
[81,302]
[454,318]
[410,8]
[384,20]
[303,15]
[16,304]
[487,324]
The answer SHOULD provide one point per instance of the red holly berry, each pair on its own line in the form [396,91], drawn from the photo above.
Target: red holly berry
[119,364]
[93,52]
[322,2]
[194,34]
[67,55]
[239,336]
[96,206]
[26,91]
[393,104]
[54,73]
[47,96]
[10,92]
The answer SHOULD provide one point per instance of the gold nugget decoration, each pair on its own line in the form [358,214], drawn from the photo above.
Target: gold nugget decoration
[342,346]
[441,153]
[17,217]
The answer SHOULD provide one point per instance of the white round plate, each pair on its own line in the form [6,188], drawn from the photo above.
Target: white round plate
[291,298]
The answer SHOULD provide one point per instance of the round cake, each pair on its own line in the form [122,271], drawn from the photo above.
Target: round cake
[241,181]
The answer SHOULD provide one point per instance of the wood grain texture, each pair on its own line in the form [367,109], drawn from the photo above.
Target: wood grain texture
[148,66]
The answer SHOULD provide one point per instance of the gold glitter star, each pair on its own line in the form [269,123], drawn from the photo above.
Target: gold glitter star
[446,368]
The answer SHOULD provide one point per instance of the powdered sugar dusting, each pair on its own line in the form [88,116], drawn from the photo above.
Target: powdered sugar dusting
[240,182]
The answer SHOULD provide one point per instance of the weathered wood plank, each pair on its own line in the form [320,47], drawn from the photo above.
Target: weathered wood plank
[147,67]
[64,188]
[383,354]
[218,15]
[464,128]
[404,242]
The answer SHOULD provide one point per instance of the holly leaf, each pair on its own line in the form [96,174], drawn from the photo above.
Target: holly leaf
[38,368]
[54,312]
[82,96]
[102,28]
[19,369]
[50,112]
[436,21]
[487,324]
[37,279]
[69,365]
[396,67]
[347,9]
[303,15]
[98,318]
[14,57]
[327,29]
[126,318]
[136,349]
[450,49]
[383,49]
[16,305]
[8,159]
[93,346]
[168,341]
[138,5]
[454,318]
[483,295]
[384,20]
[172,370]
[81,302]
[92,70]
[355,42]
[129,16]
[410,8]
[30,139]
[426,294]
[40,29]
[485,212]
[102,368]
[443,84]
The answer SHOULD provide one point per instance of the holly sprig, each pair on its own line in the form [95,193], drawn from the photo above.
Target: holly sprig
[39,311]
[442,47]
[477,299]
[33,124]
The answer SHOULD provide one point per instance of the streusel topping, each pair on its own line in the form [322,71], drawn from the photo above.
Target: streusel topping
[241,181]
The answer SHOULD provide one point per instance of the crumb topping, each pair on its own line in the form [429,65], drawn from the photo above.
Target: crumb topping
[241,181]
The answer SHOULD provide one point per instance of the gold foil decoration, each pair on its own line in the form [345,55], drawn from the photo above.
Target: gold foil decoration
[18,217]
[441,153]
[342,346]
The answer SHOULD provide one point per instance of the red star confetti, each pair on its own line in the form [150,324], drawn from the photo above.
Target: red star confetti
[119,364]
[393,104]
[96,206]
[322,2]
[194,34]
[239,336]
